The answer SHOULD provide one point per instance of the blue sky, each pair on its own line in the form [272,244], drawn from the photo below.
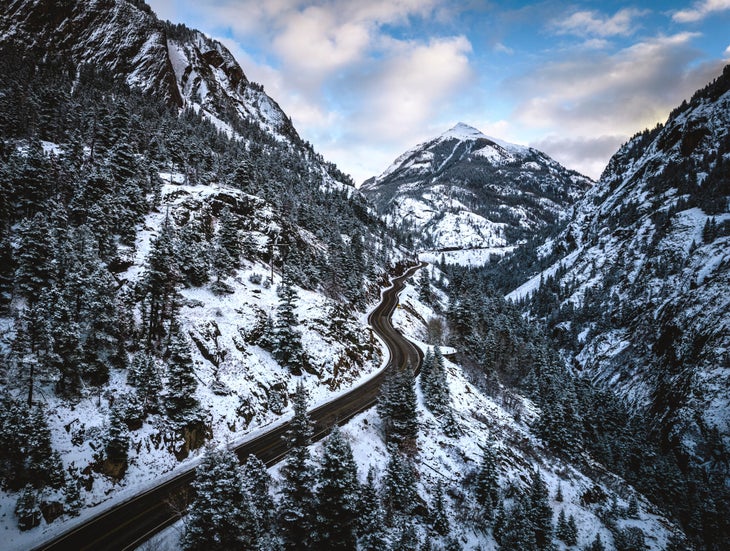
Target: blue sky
[364,80]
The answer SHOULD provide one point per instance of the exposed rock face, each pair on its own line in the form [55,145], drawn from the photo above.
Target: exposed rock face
[183,66]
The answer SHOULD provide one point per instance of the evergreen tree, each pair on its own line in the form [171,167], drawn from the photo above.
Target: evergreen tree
[540,513]
[145,377]
[180,402]
[487,488]
[33,258]
[518,533]
[559,494]
[397,408]
[632,510]
[287,341]
[257,486]
[370,520]
[596,544]
[27,509]
[399,488]
[159,285]
[219,514]
[562,526]
[296,507]
[337,495]
[440,518]
[425,377]
[116,443]
[407,536]
[424,286]
[571,531]
[72,496]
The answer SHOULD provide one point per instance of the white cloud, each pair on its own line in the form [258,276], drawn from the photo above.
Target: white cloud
[700,10]
[586,154]
[609,95]
[592,23]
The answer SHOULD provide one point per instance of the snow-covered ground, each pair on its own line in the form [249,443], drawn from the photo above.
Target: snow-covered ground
[503,423]
[237,390]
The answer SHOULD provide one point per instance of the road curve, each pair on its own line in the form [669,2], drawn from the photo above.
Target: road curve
[127,525]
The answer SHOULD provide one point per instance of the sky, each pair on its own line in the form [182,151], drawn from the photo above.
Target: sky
[366,80]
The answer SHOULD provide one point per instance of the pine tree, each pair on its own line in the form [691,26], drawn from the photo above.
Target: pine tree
[632,511]
[180,402]
[72,495]
[116,443]
[287,341]
[397,408]
[159,285]
[27,509]
[257,486]
[296,507]
[540,513]
[596,544]
[33,257]
[425,377]
[562,526]
[518,533]
[440,518]
[399,487]
[487,487]
[337,495]
[370,520]
[218,516]
[571,531]
[559,494]
[145,377]
[408,537]
[424,286]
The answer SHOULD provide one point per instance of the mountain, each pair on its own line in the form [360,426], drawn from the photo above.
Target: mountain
[637,291]
[464,190]
[174,259]
[180,65]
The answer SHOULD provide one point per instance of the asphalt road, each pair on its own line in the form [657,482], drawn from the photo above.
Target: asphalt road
[128,524]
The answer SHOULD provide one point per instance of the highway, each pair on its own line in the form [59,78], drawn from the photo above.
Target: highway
[127,525]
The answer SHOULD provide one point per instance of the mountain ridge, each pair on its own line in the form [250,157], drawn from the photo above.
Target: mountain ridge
[465,190]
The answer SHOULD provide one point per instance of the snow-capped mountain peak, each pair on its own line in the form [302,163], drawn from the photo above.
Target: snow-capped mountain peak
[464,190]
[462,131]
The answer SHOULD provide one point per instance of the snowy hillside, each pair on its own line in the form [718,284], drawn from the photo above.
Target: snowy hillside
[173,259]
[465,191]
[447,468]
[640,302]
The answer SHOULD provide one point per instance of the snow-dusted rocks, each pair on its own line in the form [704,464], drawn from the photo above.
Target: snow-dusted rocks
[465,191]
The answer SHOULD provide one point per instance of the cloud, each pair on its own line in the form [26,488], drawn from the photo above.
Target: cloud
[592,23]
[615,93]
[700,10]
[608,95]
[407,89]
[586,154]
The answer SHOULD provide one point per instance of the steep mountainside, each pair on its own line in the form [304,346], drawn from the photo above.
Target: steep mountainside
[179,65]
[174,260]
[638,293]
[464,190]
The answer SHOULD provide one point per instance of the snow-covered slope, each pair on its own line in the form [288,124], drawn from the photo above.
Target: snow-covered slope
[502,423]
[173,62]
[642,295]
[465,190]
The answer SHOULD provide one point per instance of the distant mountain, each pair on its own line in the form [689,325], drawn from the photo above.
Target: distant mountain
[639,287]
[465,190]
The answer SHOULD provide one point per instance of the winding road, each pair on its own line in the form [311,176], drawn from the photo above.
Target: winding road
[130,523]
